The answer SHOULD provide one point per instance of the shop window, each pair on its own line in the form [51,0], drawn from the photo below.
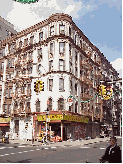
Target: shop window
[61,65]
[62,47]
[61,104]
[40,36]
[52,31]
[50,84]
[50,104]
[61,84]
[62,29]
[51,65]
[38,106]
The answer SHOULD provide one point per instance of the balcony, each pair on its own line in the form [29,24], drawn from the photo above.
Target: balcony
[85,64]
[86,80]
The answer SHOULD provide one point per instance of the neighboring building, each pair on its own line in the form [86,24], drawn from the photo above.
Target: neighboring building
[6,29]
[58,53]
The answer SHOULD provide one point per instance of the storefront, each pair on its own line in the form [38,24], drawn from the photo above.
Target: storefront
[66,125]
[4,125]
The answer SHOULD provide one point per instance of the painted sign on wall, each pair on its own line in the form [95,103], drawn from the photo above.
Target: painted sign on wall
[55,117]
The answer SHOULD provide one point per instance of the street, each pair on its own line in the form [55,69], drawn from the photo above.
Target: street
[16,153]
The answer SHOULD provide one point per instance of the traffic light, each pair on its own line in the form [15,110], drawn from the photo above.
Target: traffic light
[99,89]
[103,90]
[26,125]
[36,86]
[41,86]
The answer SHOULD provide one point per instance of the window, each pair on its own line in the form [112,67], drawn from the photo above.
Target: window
[80,44]
[40,36]
[51,65]
[40,54]
[3,52]
[39,68]
[50,84]
[28,88]
[8,63]
[62,29]
[25,56]
[2,66]
[9,108]
[70,49]
[28,105]
[12,62]
[7,32]
[50,104]
[51,48]
[38,106]
[61,84]
[26,42]
[61,65]
[76,104]
[0,93]
[20,44]
[52,30]
[69,31]
[75,89]
[31,39]
[30,69]
[61,47]
[61,104]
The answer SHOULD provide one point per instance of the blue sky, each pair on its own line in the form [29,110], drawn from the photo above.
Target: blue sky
[99,20]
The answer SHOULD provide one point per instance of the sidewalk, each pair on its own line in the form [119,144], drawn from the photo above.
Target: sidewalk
[63,143]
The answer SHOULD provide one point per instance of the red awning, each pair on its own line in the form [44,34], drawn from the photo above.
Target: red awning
[4,124]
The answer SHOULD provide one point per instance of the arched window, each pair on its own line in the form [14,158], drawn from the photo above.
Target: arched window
[61,104]
[50,104]
[38,106]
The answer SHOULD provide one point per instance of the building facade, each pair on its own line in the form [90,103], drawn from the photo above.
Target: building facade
[6,29]
[57,52]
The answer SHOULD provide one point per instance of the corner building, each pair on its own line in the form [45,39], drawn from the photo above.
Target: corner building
[57,52]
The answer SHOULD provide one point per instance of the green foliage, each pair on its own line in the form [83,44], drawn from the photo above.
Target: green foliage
[27,1]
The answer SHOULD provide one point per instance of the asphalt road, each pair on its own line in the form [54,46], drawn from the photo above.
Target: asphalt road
[15,153]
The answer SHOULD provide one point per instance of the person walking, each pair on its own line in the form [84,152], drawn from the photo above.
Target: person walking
[112,153]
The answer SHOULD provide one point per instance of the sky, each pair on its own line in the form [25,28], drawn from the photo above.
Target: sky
[99,20]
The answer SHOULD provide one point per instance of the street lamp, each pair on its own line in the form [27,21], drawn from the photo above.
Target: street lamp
[47,113]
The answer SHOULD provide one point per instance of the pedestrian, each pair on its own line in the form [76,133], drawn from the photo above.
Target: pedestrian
[112,153]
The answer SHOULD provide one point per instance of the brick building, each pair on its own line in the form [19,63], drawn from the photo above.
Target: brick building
[57,52]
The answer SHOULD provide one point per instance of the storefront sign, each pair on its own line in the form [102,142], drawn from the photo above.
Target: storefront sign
[5,120]
[55,117]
